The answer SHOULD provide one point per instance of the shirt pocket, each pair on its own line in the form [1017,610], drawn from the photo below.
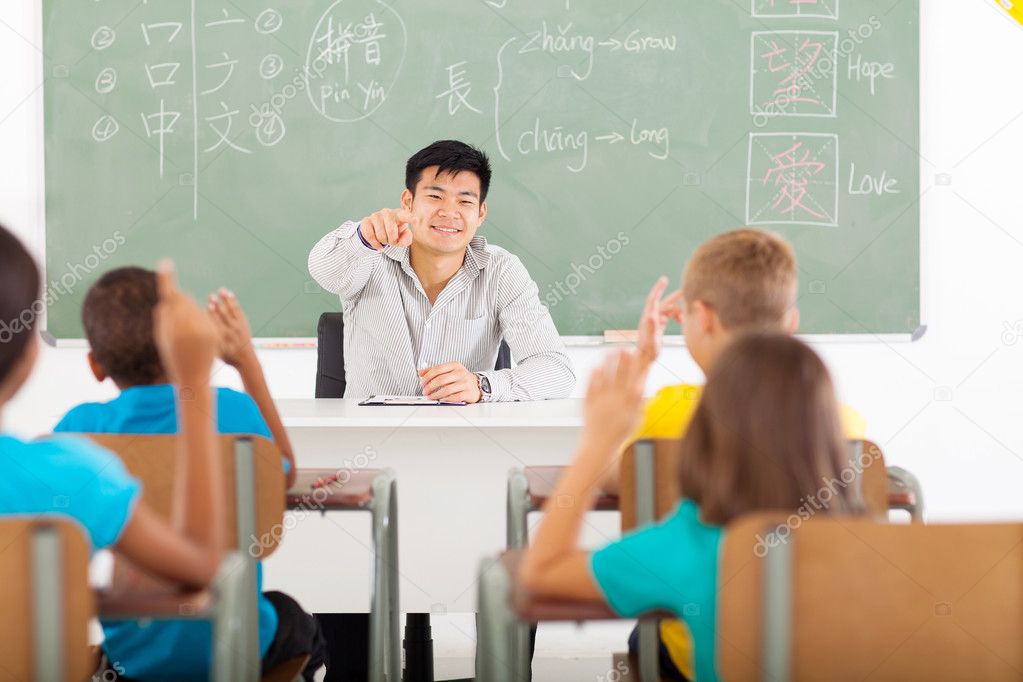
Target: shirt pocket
[471,340]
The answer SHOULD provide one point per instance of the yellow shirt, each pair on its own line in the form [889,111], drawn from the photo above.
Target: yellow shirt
[667,416]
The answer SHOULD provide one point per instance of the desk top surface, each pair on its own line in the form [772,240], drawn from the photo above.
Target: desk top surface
[313,413]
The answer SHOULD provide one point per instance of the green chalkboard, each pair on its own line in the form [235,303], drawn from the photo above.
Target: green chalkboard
[231,135]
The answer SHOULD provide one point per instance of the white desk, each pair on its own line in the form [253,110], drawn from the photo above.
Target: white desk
[452,465]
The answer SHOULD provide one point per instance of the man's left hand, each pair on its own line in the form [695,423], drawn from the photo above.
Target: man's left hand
[450,381]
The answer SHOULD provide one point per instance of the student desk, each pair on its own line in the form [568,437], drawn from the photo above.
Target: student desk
[452,468]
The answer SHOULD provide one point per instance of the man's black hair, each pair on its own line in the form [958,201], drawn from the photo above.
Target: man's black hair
[450,156]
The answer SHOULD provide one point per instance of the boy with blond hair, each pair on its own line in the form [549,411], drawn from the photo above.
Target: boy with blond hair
[736,281]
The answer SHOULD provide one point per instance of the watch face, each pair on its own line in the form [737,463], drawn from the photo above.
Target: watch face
[485,385]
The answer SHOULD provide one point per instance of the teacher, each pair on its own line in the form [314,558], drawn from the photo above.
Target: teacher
[427,301]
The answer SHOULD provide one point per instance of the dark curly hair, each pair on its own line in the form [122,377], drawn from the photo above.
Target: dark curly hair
[118,318]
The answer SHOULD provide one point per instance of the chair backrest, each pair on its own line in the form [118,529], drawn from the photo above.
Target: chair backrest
[866,468]
[152,459]
[644,462]
[330,356]
[867,461]
[45,601]
[852,599]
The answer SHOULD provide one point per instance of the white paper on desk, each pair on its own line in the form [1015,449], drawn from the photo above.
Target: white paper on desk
[411,400]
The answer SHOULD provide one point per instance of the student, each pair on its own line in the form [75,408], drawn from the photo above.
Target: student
[117,317]
[765,435]
[739,280]
[73,477]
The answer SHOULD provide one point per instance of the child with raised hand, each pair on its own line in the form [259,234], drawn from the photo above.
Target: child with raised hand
[765,435]
[736,281]
[117,315]
[73,477]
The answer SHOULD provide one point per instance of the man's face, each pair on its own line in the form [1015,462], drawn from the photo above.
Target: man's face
[449,210]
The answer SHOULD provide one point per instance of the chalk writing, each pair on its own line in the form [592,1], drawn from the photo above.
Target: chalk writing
[786,80]
[792,179]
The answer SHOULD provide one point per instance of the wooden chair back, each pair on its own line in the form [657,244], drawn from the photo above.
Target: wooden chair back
[33,553]
[152,459]
[860,600]
[865,462]
[666,489]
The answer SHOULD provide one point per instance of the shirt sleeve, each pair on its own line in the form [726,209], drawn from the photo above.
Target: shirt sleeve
[341,263]
[97,490]
[543,370]
[630,572]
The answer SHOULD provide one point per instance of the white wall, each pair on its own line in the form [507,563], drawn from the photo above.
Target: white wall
[947,407]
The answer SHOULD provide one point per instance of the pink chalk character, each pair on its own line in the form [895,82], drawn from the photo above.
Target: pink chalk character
[791,173]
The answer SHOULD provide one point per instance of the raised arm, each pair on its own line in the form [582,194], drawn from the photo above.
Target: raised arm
[234,340]
[343,260]
[543,370]
[555,565]
[652,323]
[189,548]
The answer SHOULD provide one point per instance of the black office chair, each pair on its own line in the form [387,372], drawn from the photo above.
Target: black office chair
[348,633]
[330,356]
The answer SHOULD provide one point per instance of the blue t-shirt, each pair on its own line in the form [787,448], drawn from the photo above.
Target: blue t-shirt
[168,650]
[69,476]
[672,565]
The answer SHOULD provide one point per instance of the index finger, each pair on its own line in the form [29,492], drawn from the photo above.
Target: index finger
[403,216]
[166,278]
[655,293]
[672,300]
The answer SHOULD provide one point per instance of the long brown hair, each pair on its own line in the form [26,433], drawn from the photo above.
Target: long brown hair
[766,434]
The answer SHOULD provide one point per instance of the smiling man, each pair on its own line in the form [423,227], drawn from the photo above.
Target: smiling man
[427,301]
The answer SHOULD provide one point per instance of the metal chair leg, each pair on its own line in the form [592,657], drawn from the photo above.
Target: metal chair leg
[517,536]
[494,659]
[228,629]
[518,508]
[384,653]
[649,635]
[247,652]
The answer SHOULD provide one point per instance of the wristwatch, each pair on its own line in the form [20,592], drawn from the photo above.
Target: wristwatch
[484,384]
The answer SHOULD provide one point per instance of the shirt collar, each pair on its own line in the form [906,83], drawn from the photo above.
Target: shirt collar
[477,255]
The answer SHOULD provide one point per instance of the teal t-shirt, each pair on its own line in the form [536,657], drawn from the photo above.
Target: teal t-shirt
[672,565]
[168,650]
[68,476]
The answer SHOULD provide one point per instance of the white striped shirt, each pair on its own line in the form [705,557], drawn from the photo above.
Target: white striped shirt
[391,329]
